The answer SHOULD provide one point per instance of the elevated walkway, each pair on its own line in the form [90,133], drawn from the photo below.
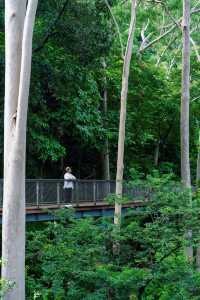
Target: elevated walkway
[89,198]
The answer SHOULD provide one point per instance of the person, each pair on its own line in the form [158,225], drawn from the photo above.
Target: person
[68,186]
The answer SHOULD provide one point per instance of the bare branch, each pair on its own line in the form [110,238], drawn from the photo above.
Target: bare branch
[173,61]
[142,34]
[117,28]
[195,11]
[176,25]
[163,24]
[195,48]
[176,22]
[158,38]
[196,98]
[165,49]
[50,30]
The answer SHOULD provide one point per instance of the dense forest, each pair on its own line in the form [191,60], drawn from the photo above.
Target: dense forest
[67,123]
[111,88]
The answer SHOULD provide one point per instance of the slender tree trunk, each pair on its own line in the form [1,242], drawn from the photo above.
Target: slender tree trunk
[197,186]
[198,258]
[106,155]
[19,20]
[198,169]
[124,93]
[106,161]
[185,106]
[156,153]
[198,164]
[185,160]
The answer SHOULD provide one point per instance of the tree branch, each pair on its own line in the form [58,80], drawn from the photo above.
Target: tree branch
[194,11]
[196,98]
[49,32]
[177,24]
[195,48]
[166,48]
[158,38]
[117,28]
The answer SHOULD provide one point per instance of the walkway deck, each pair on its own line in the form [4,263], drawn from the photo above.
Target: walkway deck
[89,198]
[46,212]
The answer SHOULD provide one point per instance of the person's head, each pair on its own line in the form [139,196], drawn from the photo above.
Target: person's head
[68,169]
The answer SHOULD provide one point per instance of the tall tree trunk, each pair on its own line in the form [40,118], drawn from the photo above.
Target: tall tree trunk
[198,169]
[197,186]
[185,160]
[198,163]
[156,153]
[185,106]
[105,154]
[106,161]
[198,258]
[19,20]
[122,124]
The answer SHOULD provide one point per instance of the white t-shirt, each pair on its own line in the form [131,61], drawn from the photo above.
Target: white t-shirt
[69,184]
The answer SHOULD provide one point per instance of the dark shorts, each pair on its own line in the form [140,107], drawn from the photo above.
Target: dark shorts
[68,195]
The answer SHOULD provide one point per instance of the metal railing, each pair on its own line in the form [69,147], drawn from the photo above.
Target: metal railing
[46,192]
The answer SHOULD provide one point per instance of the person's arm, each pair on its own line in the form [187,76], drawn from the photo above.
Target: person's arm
[66,176]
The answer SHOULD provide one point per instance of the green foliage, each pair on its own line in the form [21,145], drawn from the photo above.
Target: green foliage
[66,121]
[5,286]
[73,258]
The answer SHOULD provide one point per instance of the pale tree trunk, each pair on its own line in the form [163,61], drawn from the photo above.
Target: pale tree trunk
[105,154]
[185,160]
[19,20]
[106,161]
[198,258]
[198,164]
[156,153]
[198,169]
[197,186]
[185,106]
[124,93]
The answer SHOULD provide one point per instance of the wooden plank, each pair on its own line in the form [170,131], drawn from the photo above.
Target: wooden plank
[84,206]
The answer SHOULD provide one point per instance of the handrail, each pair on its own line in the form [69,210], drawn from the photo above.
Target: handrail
[50,192]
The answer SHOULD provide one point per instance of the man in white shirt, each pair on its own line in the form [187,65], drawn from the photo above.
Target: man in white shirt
[68,185]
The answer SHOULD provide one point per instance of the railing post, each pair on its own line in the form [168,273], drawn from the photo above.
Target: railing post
[72,197]
[76,190]
[94,192]
[58,194]
[37,193]
[109,189]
